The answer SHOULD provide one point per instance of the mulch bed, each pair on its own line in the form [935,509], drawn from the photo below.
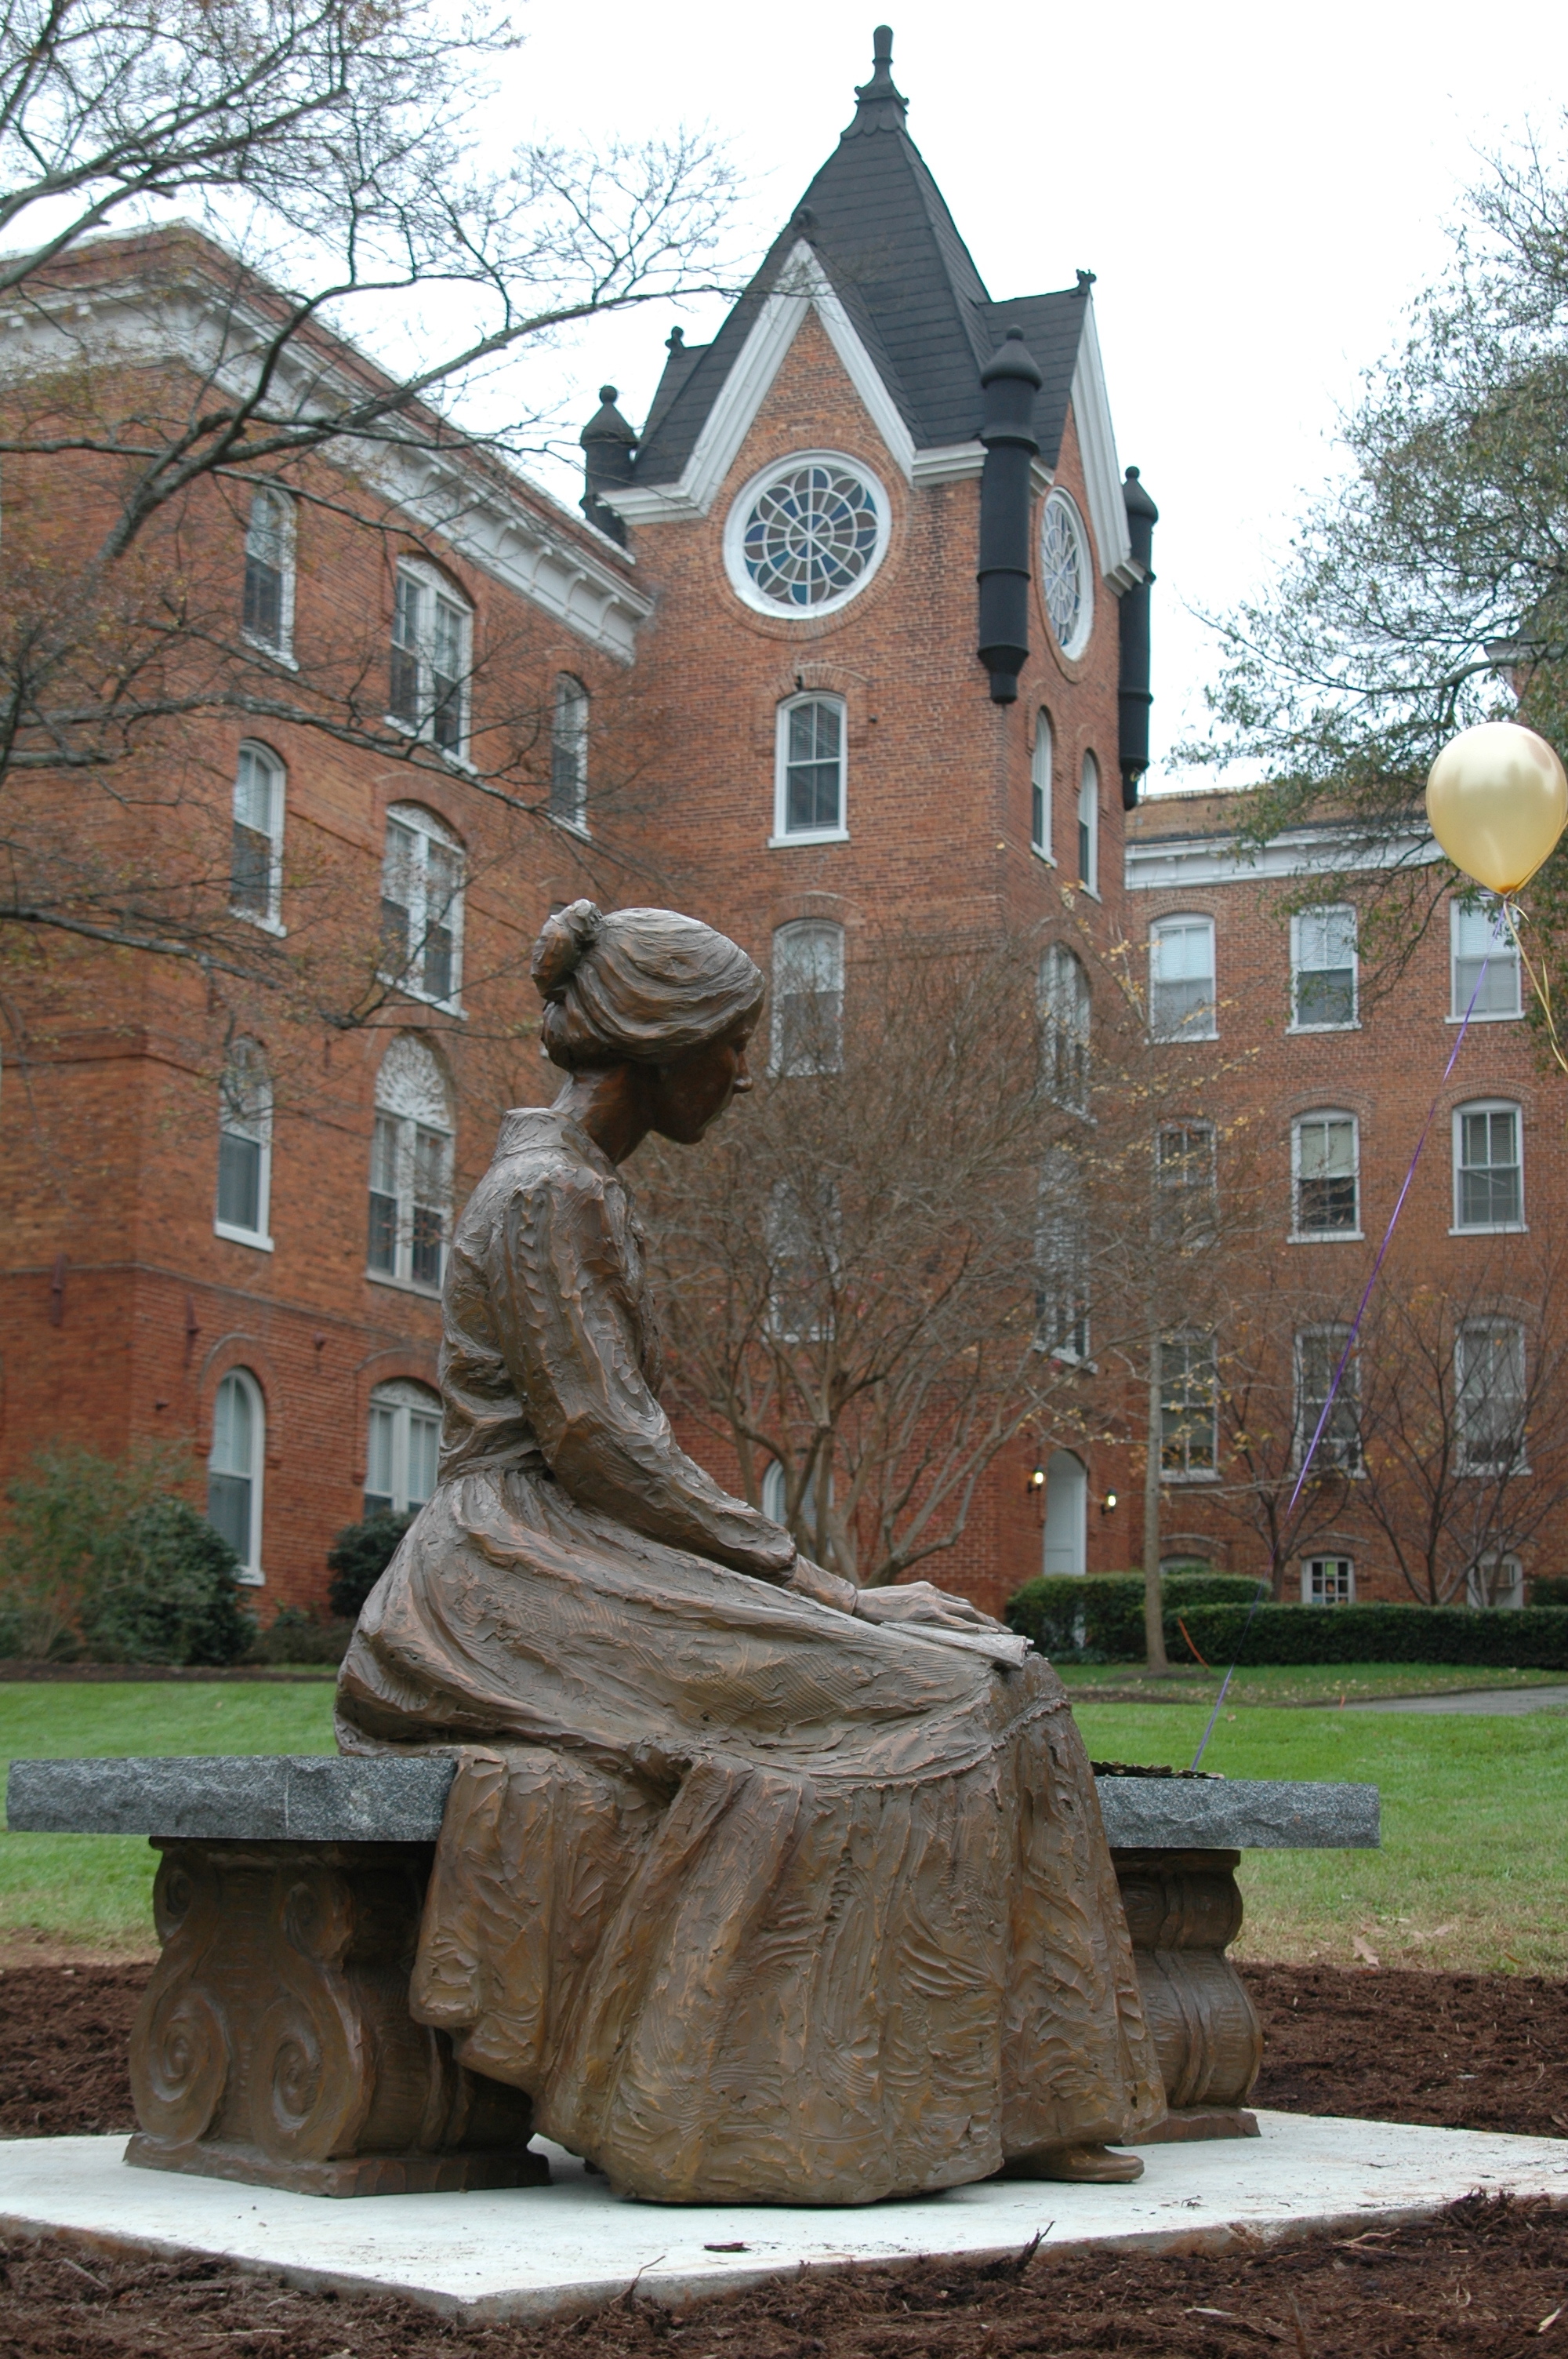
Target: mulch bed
[1487,2278]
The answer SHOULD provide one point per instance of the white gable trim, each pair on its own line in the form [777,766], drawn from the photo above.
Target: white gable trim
[1172,863]
[801,288]
[1102,473]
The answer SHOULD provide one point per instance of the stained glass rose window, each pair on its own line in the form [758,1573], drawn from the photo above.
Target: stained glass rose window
[808,536]
[1066,577]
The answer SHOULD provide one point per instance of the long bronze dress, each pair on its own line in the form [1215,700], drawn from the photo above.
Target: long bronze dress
[757,1900]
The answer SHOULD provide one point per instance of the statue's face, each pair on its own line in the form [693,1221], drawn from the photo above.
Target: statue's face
[688,1095]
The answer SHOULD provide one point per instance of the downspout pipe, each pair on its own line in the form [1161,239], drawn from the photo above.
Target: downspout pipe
[1009,382]
[1133,692]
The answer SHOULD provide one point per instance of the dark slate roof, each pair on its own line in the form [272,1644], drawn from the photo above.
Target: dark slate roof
[891,252]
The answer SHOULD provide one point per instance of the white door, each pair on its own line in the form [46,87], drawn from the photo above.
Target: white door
[1066,1512]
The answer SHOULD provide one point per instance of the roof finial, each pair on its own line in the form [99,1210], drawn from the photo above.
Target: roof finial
[880,105]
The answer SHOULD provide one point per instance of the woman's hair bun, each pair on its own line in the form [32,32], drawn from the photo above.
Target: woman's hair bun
[563,941]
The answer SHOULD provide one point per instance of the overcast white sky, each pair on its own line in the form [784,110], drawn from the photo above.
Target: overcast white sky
[1261,191]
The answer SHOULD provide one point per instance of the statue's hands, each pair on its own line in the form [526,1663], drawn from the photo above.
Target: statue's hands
[917,1601]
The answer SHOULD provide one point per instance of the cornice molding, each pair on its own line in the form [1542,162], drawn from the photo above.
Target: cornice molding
[1177,864]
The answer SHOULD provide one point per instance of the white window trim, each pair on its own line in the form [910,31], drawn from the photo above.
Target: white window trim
[575,822]
[430,829]
[423,733]
[1486,1228]
[735,566]
[1059,498]
[1502,1557]
[1338,1332]
[269,920]
[1484,1473]
[251,1574]
[1178,1476]
[776,1067]
[284,652]
[1300,1236]
[409,1121]
[258,1239]
[1043,735]
[402,1409]
[1180,1039]
[1327,1556]
[1482,1016]
[1087,767]
[1324,909]
[783,838]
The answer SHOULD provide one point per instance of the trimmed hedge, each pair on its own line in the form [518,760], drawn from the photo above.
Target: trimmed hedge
[1534,1639]
[1100,1618]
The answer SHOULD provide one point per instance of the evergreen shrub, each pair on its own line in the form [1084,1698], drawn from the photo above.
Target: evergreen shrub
[1099,1618]
[297,1635]
[357,1558]
[165,1592]
[1535,1638]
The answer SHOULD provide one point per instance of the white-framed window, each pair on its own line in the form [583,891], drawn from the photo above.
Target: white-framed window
[1324,970]
[774,1497]
[1482,962]
[806,535]
[1064,1016]
[1488,1166]
[1328,1580]
[1325,1175]
[1062,1259]
[422,906]
[1490,1396]
[235,1466]
[402,1447]
[244,1147]
[1088,826]
[267,608]
[1039,787]
[1495,1582]
[410,1167]
[255,855]
[432,644]
[810,800]
[1187,1184]
[802,1232]
[568,752]
[1189,1409]
[1318,1352]
[1067,573]
[808,997]
[1182,1000]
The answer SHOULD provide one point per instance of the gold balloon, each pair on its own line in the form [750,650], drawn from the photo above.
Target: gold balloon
[1497,800]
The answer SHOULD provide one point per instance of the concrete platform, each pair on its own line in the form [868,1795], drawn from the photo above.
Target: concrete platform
[534,2252]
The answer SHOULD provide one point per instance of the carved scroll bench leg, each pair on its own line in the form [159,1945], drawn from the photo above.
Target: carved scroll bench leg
[274,2045]
[1184,1909]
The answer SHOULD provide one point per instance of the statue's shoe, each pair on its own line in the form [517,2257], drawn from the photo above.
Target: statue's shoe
[1097,2166]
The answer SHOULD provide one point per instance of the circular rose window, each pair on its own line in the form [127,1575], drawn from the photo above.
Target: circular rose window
[804,536]
[1067,576]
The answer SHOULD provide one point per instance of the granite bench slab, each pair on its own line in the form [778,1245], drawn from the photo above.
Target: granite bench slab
[319,1798]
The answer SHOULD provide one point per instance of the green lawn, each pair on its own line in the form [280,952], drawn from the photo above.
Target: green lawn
[1286,1683]
[95,1891]
[1473,1869]
[1474,1812]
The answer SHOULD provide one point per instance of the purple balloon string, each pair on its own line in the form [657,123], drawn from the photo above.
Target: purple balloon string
[1350,1338]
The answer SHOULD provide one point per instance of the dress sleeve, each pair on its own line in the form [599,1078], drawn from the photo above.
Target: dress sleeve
[566,1322]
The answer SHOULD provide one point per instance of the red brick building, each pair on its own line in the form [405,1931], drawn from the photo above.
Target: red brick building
[752,670]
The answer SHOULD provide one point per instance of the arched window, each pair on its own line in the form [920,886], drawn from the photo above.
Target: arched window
[422,906]
[255,858]
[410,1167]
[1040,787]
[809,799]
[1181,996]
[568,752]
[1062,1259]
[267,616]
[1326,1153]
[1088,825]
[1066,1512]
[1064,1024]
[402,1447]
[244,1147]
[432,637]
[809,998]
[234,1469]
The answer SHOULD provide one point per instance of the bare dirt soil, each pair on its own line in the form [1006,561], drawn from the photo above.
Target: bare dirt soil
[1485,2278]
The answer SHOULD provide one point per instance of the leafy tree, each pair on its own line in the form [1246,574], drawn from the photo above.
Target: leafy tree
[166,1591]
[1427,588]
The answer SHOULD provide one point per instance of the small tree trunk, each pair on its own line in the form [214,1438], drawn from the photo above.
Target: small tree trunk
[1153,1602]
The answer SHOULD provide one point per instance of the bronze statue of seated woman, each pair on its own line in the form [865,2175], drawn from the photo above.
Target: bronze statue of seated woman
[763,1888]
